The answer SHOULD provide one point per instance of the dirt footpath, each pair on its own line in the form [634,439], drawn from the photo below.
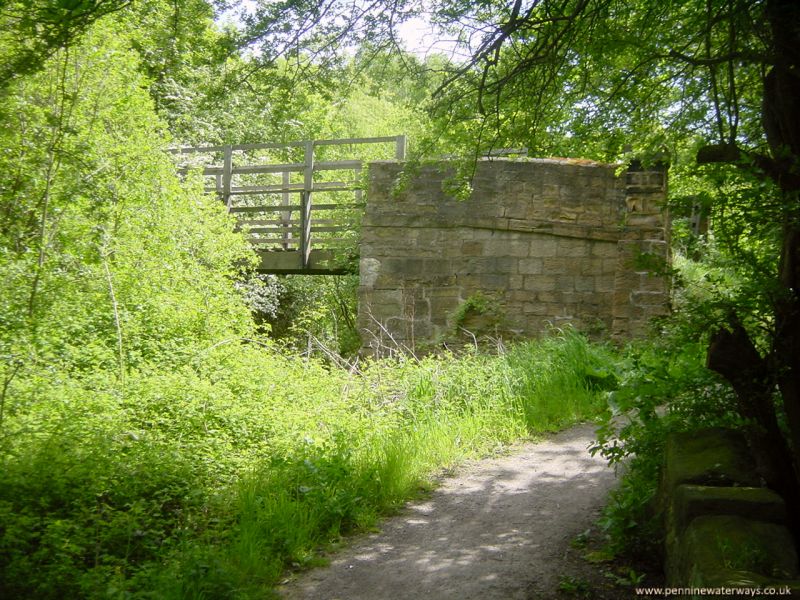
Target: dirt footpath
[499,530]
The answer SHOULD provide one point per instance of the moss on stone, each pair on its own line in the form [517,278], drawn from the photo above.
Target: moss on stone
[711,457]
[759,504]
[731,551]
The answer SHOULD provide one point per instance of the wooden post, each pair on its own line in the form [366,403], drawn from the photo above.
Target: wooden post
[359,191]
[400,147]
[305,229]
[305,220]
[286,215]
[227,166]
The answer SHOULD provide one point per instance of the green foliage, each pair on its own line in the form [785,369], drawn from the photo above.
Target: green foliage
[112,261]
[570,376]
[629,578]
[477,303]
[733,267]
[747,557]
[663,387]
[317,314]
[208,480]
[478,315]
[32,32]
[574,586]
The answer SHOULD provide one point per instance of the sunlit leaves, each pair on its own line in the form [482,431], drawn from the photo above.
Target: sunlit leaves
[105,247]
[31,32]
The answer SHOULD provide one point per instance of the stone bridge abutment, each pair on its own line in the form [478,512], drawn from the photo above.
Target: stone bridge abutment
[538,243]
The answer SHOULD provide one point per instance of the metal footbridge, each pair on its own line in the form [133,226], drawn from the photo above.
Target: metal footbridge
[299,203]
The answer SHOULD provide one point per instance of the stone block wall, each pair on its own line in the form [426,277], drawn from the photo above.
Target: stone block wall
[543,242]
[723,533]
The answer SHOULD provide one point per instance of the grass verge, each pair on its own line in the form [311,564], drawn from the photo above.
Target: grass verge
[208,480]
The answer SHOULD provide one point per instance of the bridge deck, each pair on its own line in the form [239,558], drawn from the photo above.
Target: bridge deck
[320,262]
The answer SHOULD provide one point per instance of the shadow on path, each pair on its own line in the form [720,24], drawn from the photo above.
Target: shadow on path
[498,530]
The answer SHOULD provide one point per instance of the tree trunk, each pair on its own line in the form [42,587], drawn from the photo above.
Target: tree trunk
[731,351]
[732,354]
[786,343]
[781,120]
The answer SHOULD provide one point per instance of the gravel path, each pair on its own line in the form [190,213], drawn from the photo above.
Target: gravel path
[499,530]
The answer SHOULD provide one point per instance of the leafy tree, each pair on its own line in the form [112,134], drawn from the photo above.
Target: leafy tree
[109,261]
[720,78]
[31,32]
[181,51]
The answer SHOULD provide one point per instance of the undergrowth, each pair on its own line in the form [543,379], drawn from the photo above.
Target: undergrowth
[208,479]
[663,387]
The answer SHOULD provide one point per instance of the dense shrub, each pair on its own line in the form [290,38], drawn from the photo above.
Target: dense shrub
[663,387]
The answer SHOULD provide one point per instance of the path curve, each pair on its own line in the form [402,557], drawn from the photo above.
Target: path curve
[499,530]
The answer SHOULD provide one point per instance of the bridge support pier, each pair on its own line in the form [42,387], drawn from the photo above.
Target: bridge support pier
[539,244]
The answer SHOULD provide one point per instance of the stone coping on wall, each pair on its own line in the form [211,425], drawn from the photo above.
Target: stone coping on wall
[722,529]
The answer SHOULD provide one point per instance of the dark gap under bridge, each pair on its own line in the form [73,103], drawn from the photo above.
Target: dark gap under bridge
[299,202]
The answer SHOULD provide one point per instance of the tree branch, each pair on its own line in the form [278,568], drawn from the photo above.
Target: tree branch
[782,172]
[712,61]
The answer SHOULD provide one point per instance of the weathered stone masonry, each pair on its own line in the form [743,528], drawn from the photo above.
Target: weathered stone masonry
[548,241]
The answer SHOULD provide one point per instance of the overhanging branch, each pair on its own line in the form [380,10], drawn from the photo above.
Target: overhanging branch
[782,172]
[751,57]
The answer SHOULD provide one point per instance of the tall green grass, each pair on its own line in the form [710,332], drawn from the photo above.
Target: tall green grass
[211,479]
